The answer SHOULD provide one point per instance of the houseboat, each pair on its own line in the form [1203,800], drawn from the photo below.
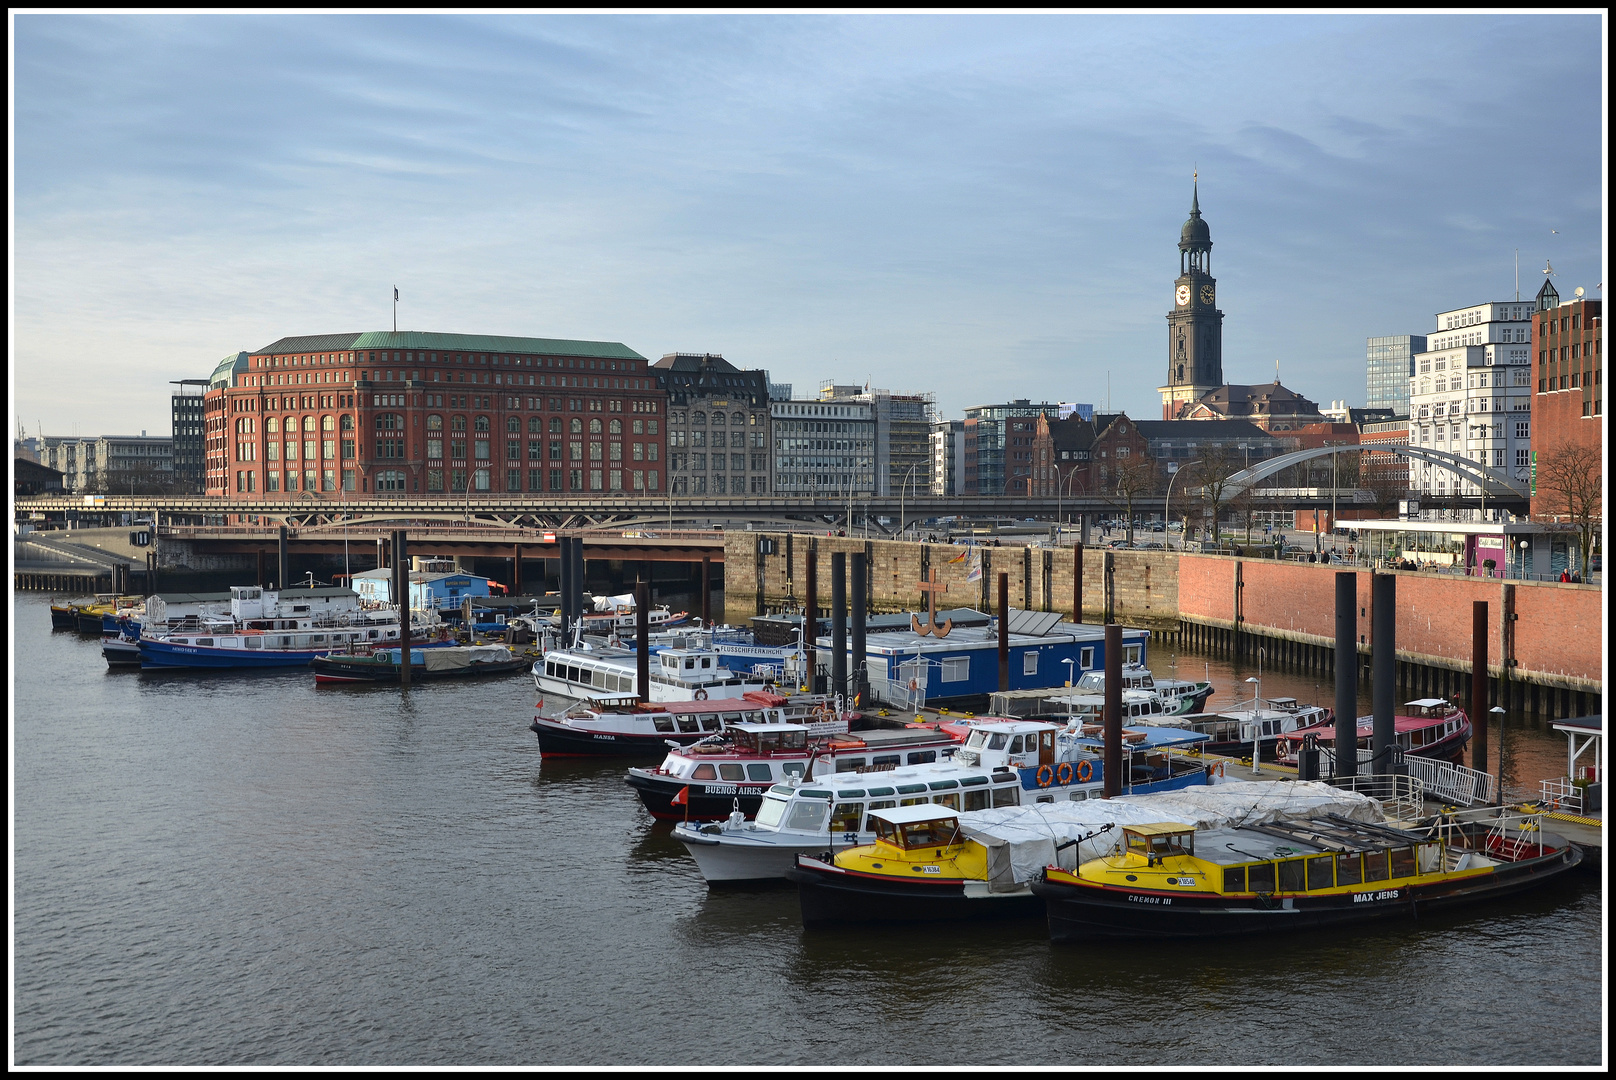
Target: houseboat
[1169,879]
[999,766]
[1430,728]
[730,772]
[624,727]
[590,669]
[1179,696]
[285,628]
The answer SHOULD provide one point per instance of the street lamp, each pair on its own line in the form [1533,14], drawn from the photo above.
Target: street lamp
[1498,711]
[1168,502]
[1059,487]
[1256,728]
[907,479]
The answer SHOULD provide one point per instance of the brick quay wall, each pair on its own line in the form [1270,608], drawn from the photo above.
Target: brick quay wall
[1222,604]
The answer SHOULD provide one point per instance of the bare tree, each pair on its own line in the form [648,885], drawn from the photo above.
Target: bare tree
[1126,480]
[1568,481]
[1210,481]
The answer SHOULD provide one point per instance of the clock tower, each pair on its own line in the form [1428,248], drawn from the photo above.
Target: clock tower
[1195,325]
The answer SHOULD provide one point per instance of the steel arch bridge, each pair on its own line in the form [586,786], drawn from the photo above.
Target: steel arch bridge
[1493,484]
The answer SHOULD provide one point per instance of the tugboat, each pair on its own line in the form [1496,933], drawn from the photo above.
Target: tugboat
[1174,880]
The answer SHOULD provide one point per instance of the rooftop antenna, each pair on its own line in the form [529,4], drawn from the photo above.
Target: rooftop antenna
[395,309]
[1517,273]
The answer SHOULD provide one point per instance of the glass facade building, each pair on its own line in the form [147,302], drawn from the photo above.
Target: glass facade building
[1391,365]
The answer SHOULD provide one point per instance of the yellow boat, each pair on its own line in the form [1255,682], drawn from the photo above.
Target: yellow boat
[1172,880]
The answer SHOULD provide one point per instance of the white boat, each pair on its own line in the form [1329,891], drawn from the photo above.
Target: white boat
[1264,720]
[1003,763]
[1179,696]
[593,670]
[623,726]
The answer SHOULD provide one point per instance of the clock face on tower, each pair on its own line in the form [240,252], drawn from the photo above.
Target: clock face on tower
[1207,294]
[1183,295]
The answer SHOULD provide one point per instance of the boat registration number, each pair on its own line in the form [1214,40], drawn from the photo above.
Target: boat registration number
[1365,897]
[722,789]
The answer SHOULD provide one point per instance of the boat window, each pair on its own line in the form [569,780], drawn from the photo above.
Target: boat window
[759,770]
[690,663]
[1430,856]
[687,723]
[781,789]
[1045,799]
[730,770]
[1015,745]
[919,834]
[793,768]
[286,640]
[886,759]
[1260,878]
[1374,866]
[977,800]
[598,678]
[1292,876]
[709,723]
[733,718]
[997,740]
[978,738]
[912,800]
[253,643]
[1348,868]
[849,764]
[846,817]
[973,781]
[663,723]
[852,794]
[807,816]
[204,641]
[920,757]
[911,789]
[1234,877]
[1078,796]
[816,794]
[1403,862]
[1321,872]
[706,662]
[1009,795]
[704,771]
[771,810]
[318,639]
[943,785]
[947,800]
[1160,846]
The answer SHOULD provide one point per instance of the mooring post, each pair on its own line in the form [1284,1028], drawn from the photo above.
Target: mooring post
[1478,685]
[642,640]
[1346,673]
[1004,631]
[861,669]
[838,624]
[402,576]
[285,561]
[706,590]
[1383,627]
[1077,582]
[1113,710]
[810,619]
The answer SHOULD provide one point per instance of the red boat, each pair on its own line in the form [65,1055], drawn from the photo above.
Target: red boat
[1429,728]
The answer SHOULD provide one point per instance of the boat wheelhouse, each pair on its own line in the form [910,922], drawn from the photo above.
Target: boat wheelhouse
[1429,727]
[1169,879]
[624,727]
[677,674]
[730,773]
[1057,702]
[1179,697]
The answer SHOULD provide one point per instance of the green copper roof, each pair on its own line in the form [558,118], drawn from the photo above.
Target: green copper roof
[412,339]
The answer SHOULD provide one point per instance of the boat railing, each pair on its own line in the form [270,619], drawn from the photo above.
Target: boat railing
[1503,834]
[1563,796]
[1401,798]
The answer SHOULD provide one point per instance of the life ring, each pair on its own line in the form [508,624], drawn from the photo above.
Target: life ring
[1218,768]
[700,694]
[1085,771]
[1063,773]
[1045,775]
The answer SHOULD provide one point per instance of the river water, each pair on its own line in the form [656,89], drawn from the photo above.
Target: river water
[244,870]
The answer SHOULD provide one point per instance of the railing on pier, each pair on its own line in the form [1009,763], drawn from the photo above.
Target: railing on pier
[1401,798]
[1563,796]
[1456,784]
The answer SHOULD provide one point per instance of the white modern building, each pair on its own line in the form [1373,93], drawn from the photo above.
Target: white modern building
[823,447]
[1471,395]
[948,463]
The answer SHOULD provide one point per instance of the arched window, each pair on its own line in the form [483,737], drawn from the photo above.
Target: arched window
[347,422]
[737,419]
[718,417]
[513,424]
[481,423]
[617,427]
[594,427]
[457,422]
[577,426]
[434,422]
[535,425]
[555,425]
[389,421]
[309,423]
[272,425]
[328,423]
[291,424]
[699,417]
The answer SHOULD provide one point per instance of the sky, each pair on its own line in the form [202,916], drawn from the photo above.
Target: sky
[983,207]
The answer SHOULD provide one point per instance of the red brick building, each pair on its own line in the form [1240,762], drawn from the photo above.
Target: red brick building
[350,415]
[1077,457]
[1568,372]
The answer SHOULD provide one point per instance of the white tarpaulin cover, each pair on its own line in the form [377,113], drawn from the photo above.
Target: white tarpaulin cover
[622,603]
[1021,839]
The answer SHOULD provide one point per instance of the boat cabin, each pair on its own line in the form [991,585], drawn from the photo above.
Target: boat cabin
[769,738]
[1430,708]
[912,828]
[1156,842]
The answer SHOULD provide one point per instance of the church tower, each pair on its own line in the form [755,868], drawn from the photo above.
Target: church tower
[1195,325]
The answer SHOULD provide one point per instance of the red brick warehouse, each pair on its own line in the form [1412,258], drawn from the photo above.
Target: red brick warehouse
[380,413]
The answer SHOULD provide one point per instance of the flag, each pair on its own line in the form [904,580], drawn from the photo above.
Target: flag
[395,294]
[681,799]
[974,571]
[960,557]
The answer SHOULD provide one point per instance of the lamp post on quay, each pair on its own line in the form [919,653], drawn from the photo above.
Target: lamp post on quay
[1168,502]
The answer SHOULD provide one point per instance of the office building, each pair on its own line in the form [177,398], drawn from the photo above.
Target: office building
[718,425]
[1391,364]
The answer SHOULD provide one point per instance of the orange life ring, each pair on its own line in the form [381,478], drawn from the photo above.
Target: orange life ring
[1218,768]
[1045,775]
[1085,771]
[1063,773]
